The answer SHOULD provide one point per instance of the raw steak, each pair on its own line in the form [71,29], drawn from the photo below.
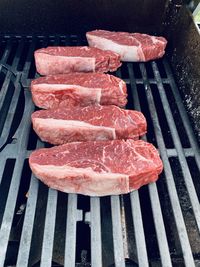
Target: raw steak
[81,89]
[97,168]
[63,125]
[60,59]
[130,46]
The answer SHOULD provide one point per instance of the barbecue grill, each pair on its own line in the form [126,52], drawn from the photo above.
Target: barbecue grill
[158,225]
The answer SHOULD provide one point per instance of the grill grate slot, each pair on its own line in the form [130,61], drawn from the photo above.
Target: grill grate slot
[49,228]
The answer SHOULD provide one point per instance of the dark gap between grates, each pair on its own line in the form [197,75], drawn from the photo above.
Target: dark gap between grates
[186,207]
[148,224]
[124,71]
[82,40]
[73,40]
[83,203]
[32,70]
[194,170]
[149,70]
[136,70]
[132,248]
[128,263]
[177,118]
[78,41]
[38,229]
[162,118]
[130,103]
[83,245]
[60,228]
[54,264]
[32,141]
[161,68]
[106,232]
[47,145]
[17,115]
[5,184]
[145,110]
[168,217]
[11,253]
[62,41]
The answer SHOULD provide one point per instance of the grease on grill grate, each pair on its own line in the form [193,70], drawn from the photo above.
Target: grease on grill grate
[158,225]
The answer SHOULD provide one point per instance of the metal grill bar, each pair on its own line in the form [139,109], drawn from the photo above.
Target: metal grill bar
[96,243]
[188,152]
[117,232]
[49,228]
[139,230]
[73,215]
[159,225]
[187,253]
[151,81]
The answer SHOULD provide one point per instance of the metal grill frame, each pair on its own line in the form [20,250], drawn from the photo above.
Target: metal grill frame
[17,149]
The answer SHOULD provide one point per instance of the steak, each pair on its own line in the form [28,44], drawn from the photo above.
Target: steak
[63,125]
[60,59]
[130,46]
[81,89]
[97,168]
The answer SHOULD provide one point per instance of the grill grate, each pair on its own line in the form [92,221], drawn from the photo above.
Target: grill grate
[156,226]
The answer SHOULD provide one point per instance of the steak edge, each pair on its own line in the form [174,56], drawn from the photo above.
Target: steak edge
[130,46]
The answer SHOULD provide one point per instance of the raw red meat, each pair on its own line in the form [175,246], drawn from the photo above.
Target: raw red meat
[130,46]
[97,168]
[78,89]
[63,125]
[60,59]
